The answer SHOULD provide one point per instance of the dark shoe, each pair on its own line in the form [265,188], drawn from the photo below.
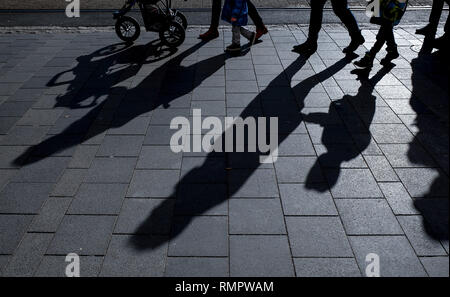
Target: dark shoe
[391,55]
[307,48]
[425,31]
[252,39]
[354,44]
[261,31]
[365,62]
[441,42]
[233,48]
[209,35]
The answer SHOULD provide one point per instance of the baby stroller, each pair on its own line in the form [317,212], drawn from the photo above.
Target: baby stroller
[158,17]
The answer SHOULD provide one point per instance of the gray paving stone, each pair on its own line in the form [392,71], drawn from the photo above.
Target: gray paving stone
[136,126]
[5,176]
[123,258]
[199,236]
[367,217]
[24,135]
[436,266]
[50,215]
[339,156]
[256,216]
[326,267]
[111,170]
[153,183]
[12,229]
[208,94]
[145,216]
[407,155]
[326,237]
[299,200]
[24,198]
[3,262]
[42,117]
[98,199]
[14,109]
[298,170]
[397,258]
[353,183]
[421,182]
[381,169]
[83,157]
[6,123]
[241,86]
[55,266]
[201,199]
[246,183]
[196,267]
[69,183]
[158,135]
[260,256]
[28,255]
[296,145]
[398,198]
[120,146]
[209,108]
[10,153]
[26,95]
[158,157]
[391,133]
[422,242]
[76,235]
[48,170]
[203,170]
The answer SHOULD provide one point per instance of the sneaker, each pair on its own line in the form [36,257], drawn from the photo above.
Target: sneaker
[391,55]
[233,48]
[425,31]
[260,32]
[354,44]
[209,35]
[309,47]
[365,62]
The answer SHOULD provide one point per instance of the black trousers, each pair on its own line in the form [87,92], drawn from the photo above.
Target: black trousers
[217,10]
[435,16]
[340,8]
[385,35]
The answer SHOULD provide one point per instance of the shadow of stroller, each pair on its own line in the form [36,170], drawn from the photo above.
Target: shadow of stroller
[278,99]
[430,77]
[340,144]
[166,83]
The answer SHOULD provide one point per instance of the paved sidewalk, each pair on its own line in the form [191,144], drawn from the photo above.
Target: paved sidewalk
[86,167]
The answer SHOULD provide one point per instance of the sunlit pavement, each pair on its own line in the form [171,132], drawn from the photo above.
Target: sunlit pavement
[86,166]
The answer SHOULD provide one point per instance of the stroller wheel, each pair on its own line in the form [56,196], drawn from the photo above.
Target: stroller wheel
[179,17]
[127,29]
[173,34]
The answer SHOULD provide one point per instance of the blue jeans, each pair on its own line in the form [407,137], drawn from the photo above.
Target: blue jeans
[340,8]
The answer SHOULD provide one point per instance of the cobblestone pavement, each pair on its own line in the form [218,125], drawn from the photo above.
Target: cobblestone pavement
[86,167]
[109,4]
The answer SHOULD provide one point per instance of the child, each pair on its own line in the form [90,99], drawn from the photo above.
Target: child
[391,12]
[235,12]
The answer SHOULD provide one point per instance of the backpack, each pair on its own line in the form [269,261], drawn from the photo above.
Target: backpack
[393,10]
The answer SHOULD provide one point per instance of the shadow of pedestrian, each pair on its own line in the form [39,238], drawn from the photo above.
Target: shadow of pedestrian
[279,100]
[430,77]
[340,144]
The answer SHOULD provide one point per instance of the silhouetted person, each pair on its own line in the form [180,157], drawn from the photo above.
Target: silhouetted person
[213,31]
[340,8]
[391,13]
[429,30]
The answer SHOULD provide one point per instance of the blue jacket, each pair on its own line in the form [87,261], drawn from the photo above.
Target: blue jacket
[235,9]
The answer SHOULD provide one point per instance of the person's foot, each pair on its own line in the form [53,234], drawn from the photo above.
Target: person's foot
[365,62]
[252,39]
[233,48]
[307,48]
[260,31]
[441,42]
[425,31]
[209,35]
[354,44]
[391,55]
